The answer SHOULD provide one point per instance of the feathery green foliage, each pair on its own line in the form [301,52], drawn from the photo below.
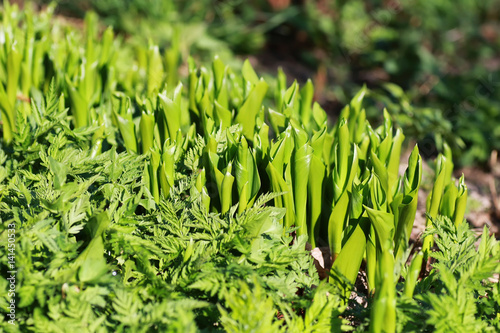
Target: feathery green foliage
[457,296]
[188,206]
[97,253]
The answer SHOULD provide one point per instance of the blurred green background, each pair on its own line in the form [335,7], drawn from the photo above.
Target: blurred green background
[434,64]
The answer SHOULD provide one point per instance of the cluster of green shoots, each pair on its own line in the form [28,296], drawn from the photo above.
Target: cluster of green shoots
[87,68]
[340,184]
